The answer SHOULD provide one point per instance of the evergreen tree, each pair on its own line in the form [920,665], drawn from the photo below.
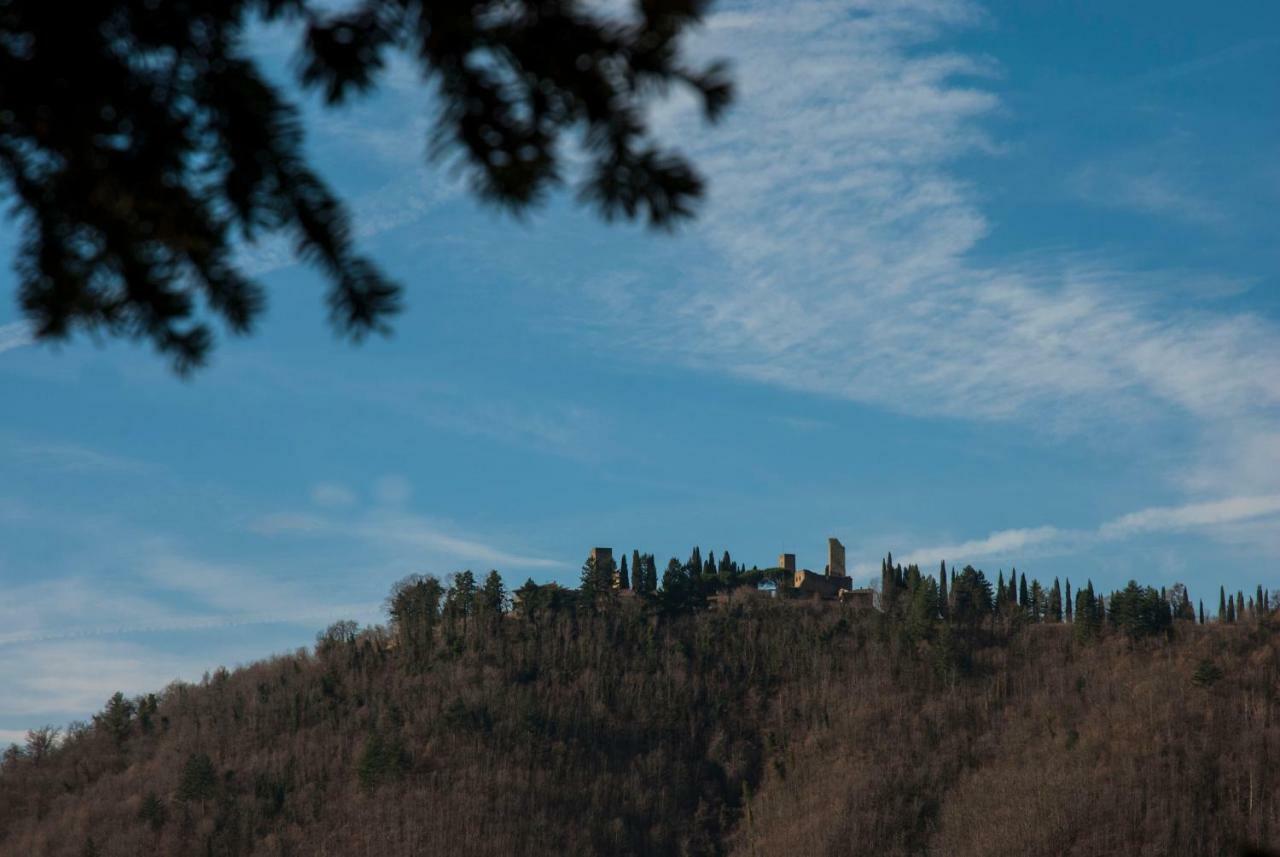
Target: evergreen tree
[675,575]
[1240,606]
[1055,602]
[1088,621]
[888,584]
[414,607]
[1185,610]
[1037,601]
[921,610]
[1231,608]
[624,578]
[693,568]
[1140,611]
[1260,602]
[651,574]
[942,589]
[1023,595]
[116,719]
[1070,609]
[493,595]
[637,571]
[1001,595]
[709,567]
[198,780]
[595,581]
[153,812]
[1201,611]
[973,598]
[460,599]
[1222,604]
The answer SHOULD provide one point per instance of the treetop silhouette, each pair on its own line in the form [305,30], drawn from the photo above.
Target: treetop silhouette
[140,141]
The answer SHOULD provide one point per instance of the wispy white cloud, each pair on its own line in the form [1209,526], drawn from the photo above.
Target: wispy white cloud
[846,238]
[843,255]
[71,457]
[15,335]
[1145,191]
[403,530]
[1192,515]
[165,589]
[1014,546]
[397,533]
[72,678]
[332,495]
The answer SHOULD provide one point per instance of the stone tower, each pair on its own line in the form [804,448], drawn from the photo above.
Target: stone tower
[787,562]
[835,558]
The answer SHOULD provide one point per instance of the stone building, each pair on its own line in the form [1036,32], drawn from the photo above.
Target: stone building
[833,584]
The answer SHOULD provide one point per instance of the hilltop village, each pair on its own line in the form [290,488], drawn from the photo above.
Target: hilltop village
[718,581]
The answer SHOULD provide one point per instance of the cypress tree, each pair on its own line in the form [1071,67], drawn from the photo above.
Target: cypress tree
[624,579]
[693,567]
[1037,601]
[1222,604]
[493,595]
[942,589]
[1023,595]
[1260,602]
[1001,595]
[1068,604]
[1055,601]
[913,577]
[1201,611]
[637,571]
[1231,608]
[1239,605]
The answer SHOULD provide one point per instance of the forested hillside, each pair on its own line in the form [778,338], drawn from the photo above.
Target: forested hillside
[597,724]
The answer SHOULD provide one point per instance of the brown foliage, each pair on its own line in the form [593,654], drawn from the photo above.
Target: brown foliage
[763,728]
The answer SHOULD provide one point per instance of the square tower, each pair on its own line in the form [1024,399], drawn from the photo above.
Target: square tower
[835,558]
[787,562]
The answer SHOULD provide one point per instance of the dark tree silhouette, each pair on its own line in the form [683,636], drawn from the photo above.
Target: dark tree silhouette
[140,141]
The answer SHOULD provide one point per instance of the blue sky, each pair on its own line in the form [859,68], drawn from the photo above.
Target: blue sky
[990,283]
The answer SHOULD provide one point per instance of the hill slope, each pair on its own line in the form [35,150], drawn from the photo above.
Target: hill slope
[763,728]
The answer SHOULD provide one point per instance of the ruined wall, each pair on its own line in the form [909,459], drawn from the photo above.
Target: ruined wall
[863,599]
[821,585]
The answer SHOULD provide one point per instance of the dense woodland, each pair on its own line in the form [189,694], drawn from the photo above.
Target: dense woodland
[695,715]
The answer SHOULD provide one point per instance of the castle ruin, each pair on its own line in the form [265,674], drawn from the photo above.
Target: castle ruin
[833,584]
